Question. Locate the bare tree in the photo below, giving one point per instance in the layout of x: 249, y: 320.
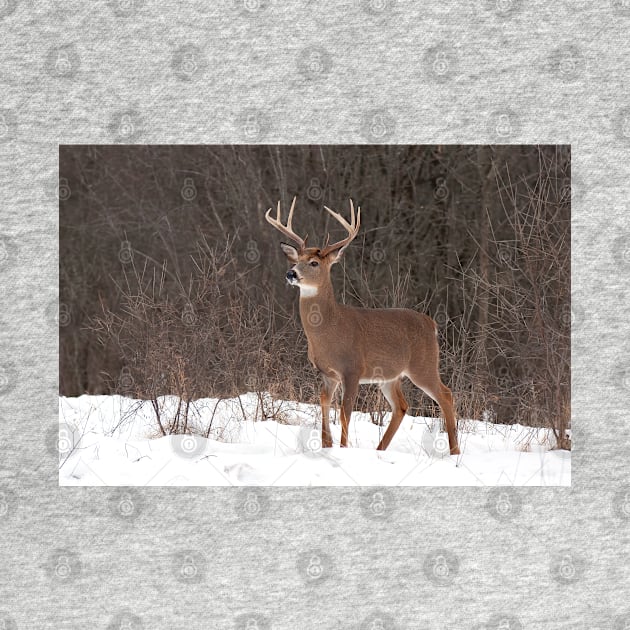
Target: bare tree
x: 168, y: 281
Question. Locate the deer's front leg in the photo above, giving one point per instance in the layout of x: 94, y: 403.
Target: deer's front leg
x: 350, y: 389
x: 328, y: 391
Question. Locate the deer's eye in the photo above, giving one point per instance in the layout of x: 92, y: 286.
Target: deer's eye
x: 314, y: 263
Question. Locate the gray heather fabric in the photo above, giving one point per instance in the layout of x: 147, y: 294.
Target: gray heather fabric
x: 264, y: 71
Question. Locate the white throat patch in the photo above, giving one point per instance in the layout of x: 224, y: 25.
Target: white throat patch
x: 306, y: 291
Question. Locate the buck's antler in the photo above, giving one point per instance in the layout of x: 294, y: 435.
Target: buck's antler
x: 352, y: 228
x: 288, y: 229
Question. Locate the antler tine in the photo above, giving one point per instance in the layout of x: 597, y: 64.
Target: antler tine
x: 288, y: 229
x: 290, y: 219
x: 352, y: 228
x: 290, y: 225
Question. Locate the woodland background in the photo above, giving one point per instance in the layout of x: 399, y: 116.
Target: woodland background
x: 172, y: 282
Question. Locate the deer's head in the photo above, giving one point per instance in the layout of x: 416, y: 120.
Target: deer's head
x: 310, y: 266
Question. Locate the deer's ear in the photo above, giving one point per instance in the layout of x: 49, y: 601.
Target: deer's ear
x: 335, y: 256
x: 290, y: 252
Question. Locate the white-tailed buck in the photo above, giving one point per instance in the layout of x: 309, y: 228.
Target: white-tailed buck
x: 351, y: 345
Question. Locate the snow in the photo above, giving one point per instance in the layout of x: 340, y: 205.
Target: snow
x: 115, y: 441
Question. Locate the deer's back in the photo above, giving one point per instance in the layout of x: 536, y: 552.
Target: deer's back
x: 375, y: 344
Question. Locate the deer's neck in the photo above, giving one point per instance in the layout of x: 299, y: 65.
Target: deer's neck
x: 317, y: 308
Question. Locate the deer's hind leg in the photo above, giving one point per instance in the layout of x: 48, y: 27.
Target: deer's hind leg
x: 433, y: 387
x: 394, y: 395
x: 424, y: 373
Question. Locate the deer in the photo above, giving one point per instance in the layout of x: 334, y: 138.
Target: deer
x: 350, y: 345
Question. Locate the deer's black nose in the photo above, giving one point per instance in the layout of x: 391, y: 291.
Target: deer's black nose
x: 291, y: 275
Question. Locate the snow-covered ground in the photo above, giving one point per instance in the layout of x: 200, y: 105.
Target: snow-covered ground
x: 115, y: 441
